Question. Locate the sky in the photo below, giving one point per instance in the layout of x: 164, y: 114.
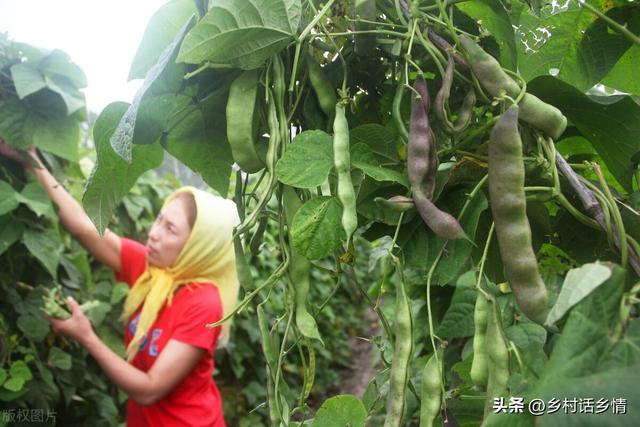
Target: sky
x: 101, y: 36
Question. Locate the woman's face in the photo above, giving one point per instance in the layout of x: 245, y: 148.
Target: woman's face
x: 168, y: 234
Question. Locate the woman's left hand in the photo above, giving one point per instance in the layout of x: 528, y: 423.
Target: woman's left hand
x: 77, y: 326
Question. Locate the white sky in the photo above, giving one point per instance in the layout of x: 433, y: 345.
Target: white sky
x: 101, y: 36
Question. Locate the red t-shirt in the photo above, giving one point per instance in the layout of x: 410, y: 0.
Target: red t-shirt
x: 195, y: 401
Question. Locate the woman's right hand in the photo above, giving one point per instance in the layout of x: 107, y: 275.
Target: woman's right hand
x: 8, y: 151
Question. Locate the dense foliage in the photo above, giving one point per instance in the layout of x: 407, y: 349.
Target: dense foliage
x: 383, y: 134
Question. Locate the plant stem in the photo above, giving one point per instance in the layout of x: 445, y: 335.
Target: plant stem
x: 313, y: 23
x: 615, y: 26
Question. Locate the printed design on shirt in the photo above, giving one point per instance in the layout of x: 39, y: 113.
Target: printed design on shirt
x: 153, y: 348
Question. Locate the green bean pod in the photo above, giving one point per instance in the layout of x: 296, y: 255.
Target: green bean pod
x: 403, y: 348
x: 508, y: 206
x: 299, y: 271
x: 442, y: 223
x: 498, y: 354
x: 442, y: 101
x: 479, y: 365
x: 242, y: 266
x: 241, y: 121
x: 395, y: 109
x: 342, y: 162
x: 494, y: 79
x: 431, y: 396
x: 325, y: 92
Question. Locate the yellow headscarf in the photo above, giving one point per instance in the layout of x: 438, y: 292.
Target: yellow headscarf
x: 207, y: 256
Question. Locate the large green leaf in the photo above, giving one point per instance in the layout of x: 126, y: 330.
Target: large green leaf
x: 569, y: 42
x: 458, y: 320
x: 164, y: 77
x: 23, y: 125
x: 612, y: 128
x: 623, y: 76
x: 46, y: 246
x: 59, y: 359
x: 72, y: 97
x: 10, y: 232
x: 36, y: 198
x: 339, y: 411
x: 112, y: 177
x: 27, y: 80
x: 316, y: 231
x: 58, y: 62
x: 493, y: 18
x: 242, y: 33
x: 379, y: 139
x: 13, y: 124
x: 162, y: 28
x: 8, y: 198
x: 362, y: 158
x: 578, y: 283
x: 199, y: 140
x: 307, y: 161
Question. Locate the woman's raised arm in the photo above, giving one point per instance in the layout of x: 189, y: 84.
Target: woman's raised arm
x: 73, y: 218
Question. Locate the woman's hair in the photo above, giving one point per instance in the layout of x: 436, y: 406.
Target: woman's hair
x: 189, y: 204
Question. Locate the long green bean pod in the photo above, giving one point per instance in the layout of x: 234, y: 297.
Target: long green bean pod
x: 422, y: 165
x: 299, y: 271
x: 342, y: 163
x: 494, y: 79
x: 431, y: 396
x: 241, y: 121
x: 498, y: 357
x: 323, y: 88
x: 403, y: 348
x: 508, y: 205
x: 479, y: 365
x: 442, y: 101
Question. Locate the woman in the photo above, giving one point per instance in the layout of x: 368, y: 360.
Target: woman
x: 183, y: 279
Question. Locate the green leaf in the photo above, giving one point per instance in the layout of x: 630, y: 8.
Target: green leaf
x: 10, y: 232
x: 307, y: 161
x: 19, y: 369
x: 46, y: 246
x: 578, y: 284
x: 199, y: 141
x: 242, y: 33
x: 72, y: 97
x: 57, y: 134
x: 59, y: 359
x: 340, y: 411
x: 27, y: 80
x: 458, y: 252
x: 8, y: 198
x: 162, y: 28
x: 164, y: 77
x: 3, y: 376
x: 612, y: 129
x: 14, y: 384
x: 526, y: 334
x: 379, y: 139
x: 494, y: 20
x: 58, y: 62
x: 623, y: 75
x: 458, y: 320
x: 118, y: 293
x: 362, y: 158
x: 112, y: 177
x: 570, y: 42
x: 13, y: 120
x: 36, y: 198
x: 316, y: 230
